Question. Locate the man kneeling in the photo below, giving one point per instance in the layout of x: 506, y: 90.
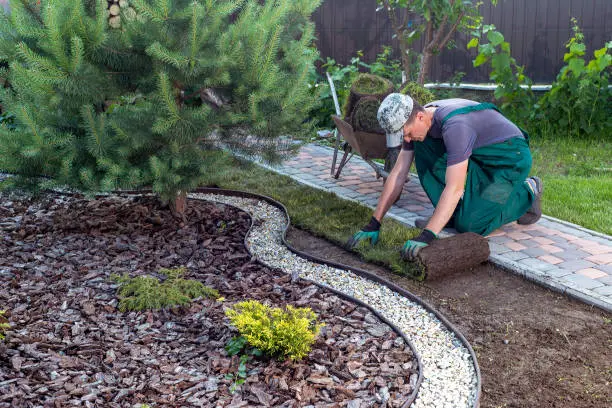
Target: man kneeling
x: 472, y: 162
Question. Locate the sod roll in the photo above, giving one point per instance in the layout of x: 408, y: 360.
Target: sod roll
x: 418, y: 92
x: 364, y: 115
x: 366, y: 85
x: 453, y: 255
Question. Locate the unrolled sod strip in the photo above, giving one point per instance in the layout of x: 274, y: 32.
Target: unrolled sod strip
x: 450, y: 380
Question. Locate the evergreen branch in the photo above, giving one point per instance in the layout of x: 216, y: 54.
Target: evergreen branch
x: 175, y: 59
x: 273, y: 45
x: 164, y: 5
x: 78, y: 53
x: 26, y: 20
x: 253, y: 100
x: 194, y: 34
x: 54, y: 34
x: 38, y: 62
x: 229, y: 7
x: 165, y: 90
x: 258, y: 52
x: 94, y: 130
x: 142, y: 7
x: 119, y: 132
x: 298, y: 86
x: 29, y: 121
x: 32, y: 10
x: 99, y: 30
x: 77, y: 12
x: 8, y: 32
x: 307, y: 35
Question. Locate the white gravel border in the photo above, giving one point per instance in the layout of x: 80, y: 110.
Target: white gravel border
x: 450, y: 379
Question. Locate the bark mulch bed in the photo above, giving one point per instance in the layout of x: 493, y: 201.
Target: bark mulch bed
x: 68, y: 345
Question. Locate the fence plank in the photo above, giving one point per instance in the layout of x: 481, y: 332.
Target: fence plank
x: 537, y: 31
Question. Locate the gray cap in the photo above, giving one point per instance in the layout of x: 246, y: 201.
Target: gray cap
x: 393, y: 113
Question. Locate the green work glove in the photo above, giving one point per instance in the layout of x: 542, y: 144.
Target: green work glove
x: 413, y: 246
x: 370, y: 231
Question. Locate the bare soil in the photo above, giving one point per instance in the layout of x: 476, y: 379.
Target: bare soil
x: 536, y: 348
x: 69, y: 345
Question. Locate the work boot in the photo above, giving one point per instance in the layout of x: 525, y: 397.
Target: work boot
x: 534, y: 213
x: 422, y: 223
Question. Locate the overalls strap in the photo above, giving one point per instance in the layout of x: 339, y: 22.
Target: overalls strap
x: 468, y: 109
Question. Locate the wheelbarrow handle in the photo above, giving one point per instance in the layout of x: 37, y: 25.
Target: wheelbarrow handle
x: 334, y: 95
x: 337, y: 132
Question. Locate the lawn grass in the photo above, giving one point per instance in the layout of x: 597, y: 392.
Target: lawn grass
x: 322, y: 213
x: 577, y: 176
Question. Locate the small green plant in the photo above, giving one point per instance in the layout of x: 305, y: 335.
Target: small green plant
x: 239, y: 377
x: 513, y: 86
x: 234, y: 347
x: 4, y: 324
x: 343, y: 77
x: 285, y: 333
x: 579, y: 102
x: 385, y: 66
x: 148, y: 293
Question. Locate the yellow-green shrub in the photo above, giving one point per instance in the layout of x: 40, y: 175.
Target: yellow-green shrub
x: 4, y: 325
x: 285, y: 333
x: 148, y: 293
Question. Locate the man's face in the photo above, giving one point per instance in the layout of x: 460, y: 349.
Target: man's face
x: 418, y: 128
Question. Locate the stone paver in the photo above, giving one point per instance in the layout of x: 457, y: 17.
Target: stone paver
x: 559, y: 255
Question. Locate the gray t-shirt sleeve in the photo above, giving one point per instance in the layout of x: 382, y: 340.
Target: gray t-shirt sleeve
x: 459, y: 139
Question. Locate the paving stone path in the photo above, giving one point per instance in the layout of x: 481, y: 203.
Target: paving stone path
x: 554, y: 253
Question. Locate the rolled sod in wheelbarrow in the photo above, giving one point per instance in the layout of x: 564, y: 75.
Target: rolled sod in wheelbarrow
x: 453, y: 255
x: 364, y: 116
x: 417, y: 92
x: 366, y: 85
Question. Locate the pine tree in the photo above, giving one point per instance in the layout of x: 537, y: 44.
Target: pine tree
x: 99, y: 108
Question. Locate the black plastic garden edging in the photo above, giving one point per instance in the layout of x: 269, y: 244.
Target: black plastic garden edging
x: 364, y: 274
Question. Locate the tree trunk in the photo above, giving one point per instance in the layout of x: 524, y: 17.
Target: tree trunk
x: 400, y: 30
x: 179, y: 205
x: 455, y: 254
x: 425, y: 66
x: 405, y: 58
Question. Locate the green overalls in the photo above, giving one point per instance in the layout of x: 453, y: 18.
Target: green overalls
x: 495, y: 189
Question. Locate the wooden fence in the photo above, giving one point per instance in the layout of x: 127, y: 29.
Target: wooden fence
x: 536, y: 29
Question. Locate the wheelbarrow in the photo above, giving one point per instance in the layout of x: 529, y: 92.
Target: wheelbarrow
x: 368, y: 145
